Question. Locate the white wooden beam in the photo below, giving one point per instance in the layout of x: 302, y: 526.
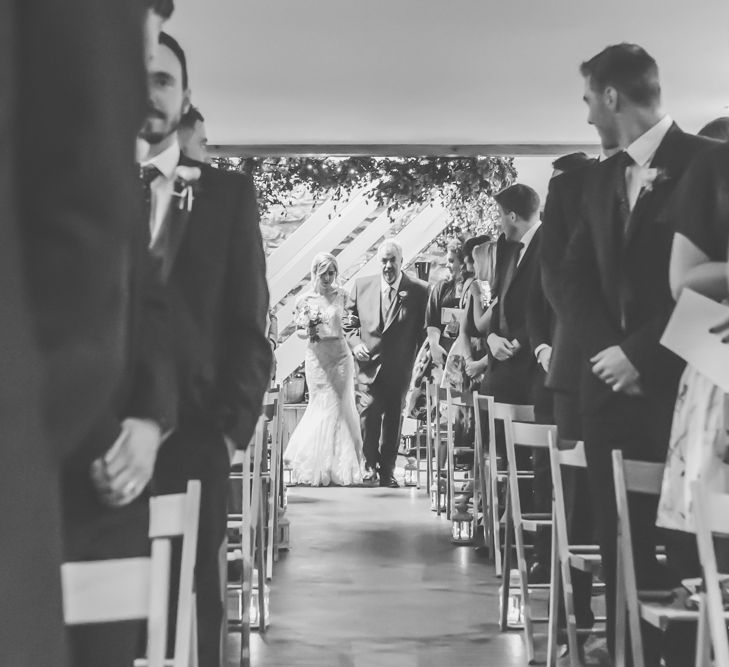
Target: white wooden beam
x: 415, y: 237
x: 338, y: 228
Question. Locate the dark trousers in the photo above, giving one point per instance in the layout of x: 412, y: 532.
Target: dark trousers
x: 94, y: 532
x: 380, y: 407
x: 640, y: 428
x: 200, y: 453
x: 580, y: 529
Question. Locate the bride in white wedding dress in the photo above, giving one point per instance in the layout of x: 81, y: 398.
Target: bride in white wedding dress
x: 326, y: 446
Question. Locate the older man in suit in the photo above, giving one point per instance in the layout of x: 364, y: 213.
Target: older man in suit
x: 384, y: 325
x: 617, y: 295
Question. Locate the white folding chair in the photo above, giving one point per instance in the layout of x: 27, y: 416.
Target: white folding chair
x: 522, y: 434
x: 644, y: 478
x: 518, y: 413
x: 454, y: 401
x: 711, y: 516
x: 128, y: 589
x: 570, y: 556
x: 274, y: 480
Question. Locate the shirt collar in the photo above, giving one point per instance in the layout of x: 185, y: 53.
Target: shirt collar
x: 529, y: 235
x: 167, y: 161
x: 385, y: 286
x: 645, y: 146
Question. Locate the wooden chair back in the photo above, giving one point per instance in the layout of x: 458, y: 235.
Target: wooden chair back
x: 138, y: 588
x: 711, y: 516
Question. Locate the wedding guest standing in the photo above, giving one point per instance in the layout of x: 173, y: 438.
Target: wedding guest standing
x: 63, y: 227
x: 205, y: 232
x: 716, y: 129
x: 563, y: 361
x: 446, y: 298
x: 192, y: 135
x: 384, y: 326
x: 617, y: 294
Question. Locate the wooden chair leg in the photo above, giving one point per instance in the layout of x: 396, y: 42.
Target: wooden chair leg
x: 524, y: 583
x: 703, y: 638
x: 620, y: 612
x: 554, y: 591
x: 496, y: 522
x: 506, y: 574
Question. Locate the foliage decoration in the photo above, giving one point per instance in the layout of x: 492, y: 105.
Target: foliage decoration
x: 465, y: 185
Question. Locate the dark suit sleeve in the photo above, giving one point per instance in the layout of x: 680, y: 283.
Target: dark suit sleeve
x: 245, y: 368
x: 351, y: 324
x: 555, y: 238
x: 585, y: 307
x: 76, y: 177
x: 538, y: 314
x: 153, y: 392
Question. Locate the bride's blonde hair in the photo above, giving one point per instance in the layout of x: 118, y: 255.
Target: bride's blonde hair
x: 320, y: 265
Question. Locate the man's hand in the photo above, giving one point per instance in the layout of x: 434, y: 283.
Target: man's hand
x: 544, y: 357
x: 501, y: 348
x: 124, y: 471
x: 615, y: 369
x: 438, y: 353
x: 721, y: 329
x: 361, y: 353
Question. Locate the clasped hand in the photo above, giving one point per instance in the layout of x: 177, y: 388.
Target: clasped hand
x: 361, y: 353
x: 502, y: 348
x: 614, y: 368
x: 124, y: 471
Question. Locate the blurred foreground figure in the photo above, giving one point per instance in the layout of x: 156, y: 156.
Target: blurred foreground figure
x: 63, y: 232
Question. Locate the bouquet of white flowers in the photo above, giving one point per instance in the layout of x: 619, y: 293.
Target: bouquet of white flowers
x: 308, y: 318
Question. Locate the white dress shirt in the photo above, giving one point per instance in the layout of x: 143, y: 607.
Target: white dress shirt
x: 385, y: 287
x: 526, y: 240
x: 643, y: 150
x: 163, y: 186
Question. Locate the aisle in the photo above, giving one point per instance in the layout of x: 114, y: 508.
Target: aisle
x: 372, y: 579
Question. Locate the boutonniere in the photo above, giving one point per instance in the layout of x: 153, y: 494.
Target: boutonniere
x: 650, y: 177
x: 402, y: 294
x: 187, y: 180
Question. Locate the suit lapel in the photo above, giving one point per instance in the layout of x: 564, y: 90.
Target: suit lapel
x: 645, y: 206
x: 395, y: 311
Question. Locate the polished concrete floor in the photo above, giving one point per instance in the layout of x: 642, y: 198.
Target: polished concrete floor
x: 372, y: 580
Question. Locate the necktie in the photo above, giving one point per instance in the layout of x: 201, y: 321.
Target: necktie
x: 621, y: 190
x: 147, y: 175
x: 513, y: 250
x: 388, y: 299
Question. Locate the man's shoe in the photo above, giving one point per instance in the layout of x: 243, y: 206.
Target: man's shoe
x: 389, y: 482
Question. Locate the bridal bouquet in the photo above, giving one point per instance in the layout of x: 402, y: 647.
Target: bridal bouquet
x: 308, y: 318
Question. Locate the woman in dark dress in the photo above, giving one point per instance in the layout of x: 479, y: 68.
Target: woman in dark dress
x: 442, y: 325
x: 699, y: 443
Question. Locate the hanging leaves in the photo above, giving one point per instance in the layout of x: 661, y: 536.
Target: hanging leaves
x: 465, y: 185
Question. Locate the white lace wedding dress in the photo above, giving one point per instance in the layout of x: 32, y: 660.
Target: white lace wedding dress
x: 326, y: 446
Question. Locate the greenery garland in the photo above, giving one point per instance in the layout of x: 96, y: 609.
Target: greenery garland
x: 465, y: 185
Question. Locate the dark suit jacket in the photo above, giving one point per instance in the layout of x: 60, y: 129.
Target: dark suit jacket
x: 393, y: 347
x: 616, y: 289
x: 218, y: 295
x: 63, y: 229
x: 561, y: 215
x: 511, y: 380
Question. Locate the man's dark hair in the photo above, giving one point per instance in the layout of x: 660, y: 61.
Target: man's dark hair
x: 571, y: 161
x: 192, y: 116
x: 519, y: 199
x: 163, y: 8
x: 173, y: 45
x: 629, y: 69
x: 716, y: 129
x: 470, y: 243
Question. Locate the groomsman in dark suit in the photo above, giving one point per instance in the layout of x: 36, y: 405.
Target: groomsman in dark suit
x: 205, y: 233
x: 512, y: 365
x: 64, y: 229
x: 617, y: 295
x: 385, y: 323
x: 560, y: 358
